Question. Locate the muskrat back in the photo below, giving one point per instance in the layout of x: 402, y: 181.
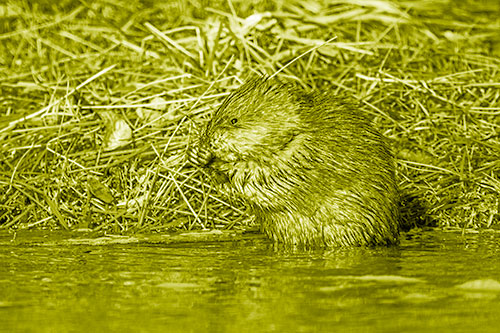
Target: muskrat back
x: 310, y: 166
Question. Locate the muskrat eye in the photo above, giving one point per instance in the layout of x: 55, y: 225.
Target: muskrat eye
x: 234, y: 121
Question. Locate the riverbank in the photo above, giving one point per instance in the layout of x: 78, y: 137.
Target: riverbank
x: 99, y: 102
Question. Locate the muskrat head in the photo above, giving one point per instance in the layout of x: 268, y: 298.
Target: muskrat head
x: 254, y: 123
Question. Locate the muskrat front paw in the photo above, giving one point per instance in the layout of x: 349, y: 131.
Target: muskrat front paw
x: 200, y: 156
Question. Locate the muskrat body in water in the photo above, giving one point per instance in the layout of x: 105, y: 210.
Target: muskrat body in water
x: 310, y: 166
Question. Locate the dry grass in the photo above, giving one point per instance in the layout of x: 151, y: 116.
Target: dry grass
x: 99, y: 100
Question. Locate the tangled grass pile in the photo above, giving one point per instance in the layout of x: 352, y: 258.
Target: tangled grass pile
x: 100, y: 100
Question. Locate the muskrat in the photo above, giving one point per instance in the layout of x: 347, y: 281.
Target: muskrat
x: 310, y: 166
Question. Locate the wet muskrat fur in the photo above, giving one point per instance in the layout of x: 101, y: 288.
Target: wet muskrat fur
x: 310, y: 166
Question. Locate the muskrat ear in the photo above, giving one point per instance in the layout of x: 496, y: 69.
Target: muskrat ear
x: 234, y: 121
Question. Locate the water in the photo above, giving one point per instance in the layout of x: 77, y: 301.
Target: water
x: 432, y: 282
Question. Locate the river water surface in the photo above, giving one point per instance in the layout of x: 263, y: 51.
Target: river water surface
x: 433, y: 282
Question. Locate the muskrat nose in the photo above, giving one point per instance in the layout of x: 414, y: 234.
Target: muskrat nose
x: 200, y: 156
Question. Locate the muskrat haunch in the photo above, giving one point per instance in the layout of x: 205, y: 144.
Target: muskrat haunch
x: 310, y: 166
